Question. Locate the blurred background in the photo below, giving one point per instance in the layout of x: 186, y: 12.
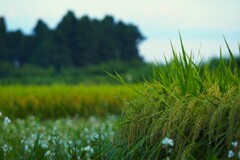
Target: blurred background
x: 78, y: 40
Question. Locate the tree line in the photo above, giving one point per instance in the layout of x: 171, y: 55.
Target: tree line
x: 74, y: 42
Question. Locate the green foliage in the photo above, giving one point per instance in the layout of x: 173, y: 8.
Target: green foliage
x: 75, y: 42
x: 62, y: 139
x: 2, y: 26
x: 196, y: 106
x: 133, y: 72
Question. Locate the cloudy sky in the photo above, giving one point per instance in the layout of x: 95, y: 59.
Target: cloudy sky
x: 202, y: 23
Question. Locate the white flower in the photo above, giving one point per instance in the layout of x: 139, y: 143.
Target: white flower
x: 44, y: 146
x: 54, y: 129
x: 99, y: 136
x: 47, y: 154
x: 75, y: 149
x: 26, y: 148
x: 88, y: 148
x: 235, y: 144
x: 96, y: 136
x: 7, y: 121
x: 22, y: 141
x: 86, y: 130
x: 6, y: 148
x: 230, y: 154
x: 0, y: 114
x: 54, y: 138
x: 92, y: 151
x: 239, y: 154
x: 168, y: 141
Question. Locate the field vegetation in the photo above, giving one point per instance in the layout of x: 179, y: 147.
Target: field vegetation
x: 188, y: 111
x: 60, y: 100
x: 57, y: 101
x: 133, y: 72
x: 62, y: 139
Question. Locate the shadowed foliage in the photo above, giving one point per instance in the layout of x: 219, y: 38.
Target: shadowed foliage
x: 74, y: 42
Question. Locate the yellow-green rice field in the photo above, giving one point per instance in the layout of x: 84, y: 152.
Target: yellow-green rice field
x: 63, y: 100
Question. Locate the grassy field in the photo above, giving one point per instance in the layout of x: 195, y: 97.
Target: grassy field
x: 63, y: 100
x: 187, y: 111
x: 62, y: 139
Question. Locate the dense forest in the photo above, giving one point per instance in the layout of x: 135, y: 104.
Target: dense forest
x: 76, y: 42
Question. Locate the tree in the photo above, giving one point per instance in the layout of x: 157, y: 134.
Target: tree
x: 78, y: 42
x: 87, y: 43
x: 2, y: 38
x: 108, y: 39
x: 3, y: 29
x: 14, y: 42
x: 47, y: 54
x: 129, y: 37
x: 41, y: 28
x: 66, y: 35
x: 66, y: 29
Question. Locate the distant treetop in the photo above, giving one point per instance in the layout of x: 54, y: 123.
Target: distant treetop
x: 74, y: 42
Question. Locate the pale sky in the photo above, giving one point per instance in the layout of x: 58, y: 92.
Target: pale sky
x: 202, y: 23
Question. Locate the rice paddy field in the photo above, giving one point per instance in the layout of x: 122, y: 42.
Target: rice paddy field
x: 187, y: 112
x: 57, y: 101
x: 59, y: 121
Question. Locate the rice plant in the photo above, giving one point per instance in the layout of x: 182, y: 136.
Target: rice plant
x: 57, y: 101
x: 194, y: 107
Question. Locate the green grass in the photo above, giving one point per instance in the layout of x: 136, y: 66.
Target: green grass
x: 187, y: 111
x: 26, y: 74
x: 60, y: 139
x: 197, y: 107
